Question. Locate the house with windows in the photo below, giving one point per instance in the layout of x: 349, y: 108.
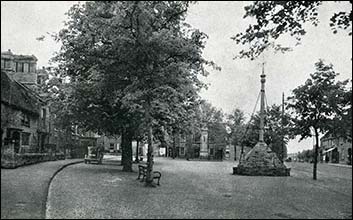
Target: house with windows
x: 24, y: 118
x: 22, y: 68
x: 336, y: 149
x: 196, y: 146
x: 110, y: 143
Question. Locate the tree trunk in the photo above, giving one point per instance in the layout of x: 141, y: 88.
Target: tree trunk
x: 235, y: 152
x: 149, y: 174
x: 174, y: 143
x: 137, y: 151
x: 126, y: 159
x: 241, y: 154
x: 122, y: 147
x: 316, y: 152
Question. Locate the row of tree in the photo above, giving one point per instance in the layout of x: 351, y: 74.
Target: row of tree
x: 131, y: 68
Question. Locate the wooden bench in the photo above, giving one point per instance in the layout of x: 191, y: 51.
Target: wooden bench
x: 143, y: 173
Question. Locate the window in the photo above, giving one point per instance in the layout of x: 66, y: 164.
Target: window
x: 26, y: 67
x: 182, y: 151
x: 111, y: 145
x: 25, y: 138
x: 7, y: 64
x: 19, y: 67
x: 25, y: 121
x: 32, y: 68
x: 211, y: 151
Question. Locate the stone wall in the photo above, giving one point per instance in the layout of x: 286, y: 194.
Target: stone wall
x: 9, y: 159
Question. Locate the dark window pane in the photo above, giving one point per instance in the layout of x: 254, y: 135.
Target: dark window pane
x: 25, y: 138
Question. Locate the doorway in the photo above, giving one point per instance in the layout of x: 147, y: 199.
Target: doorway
x: 16, y: 137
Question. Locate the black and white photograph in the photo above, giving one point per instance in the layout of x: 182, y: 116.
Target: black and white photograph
x: 176, y: 109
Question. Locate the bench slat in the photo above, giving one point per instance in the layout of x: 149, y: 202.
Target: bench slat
x: 143, y: 173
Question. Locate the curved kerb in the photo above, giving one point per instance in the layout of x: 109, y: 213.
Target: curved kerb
x: 44, y: 212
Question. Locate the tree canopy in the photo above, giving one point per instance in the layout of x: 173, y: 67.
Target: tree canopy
x: 320, y: 102
x: 132, y: 63
x: 320, y: 105
x: 277, y: 18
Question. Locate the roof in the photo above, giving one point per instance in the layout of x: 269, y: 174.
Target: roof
x: 329, y: 135
x: 331, y: 149
x: 9, y: 55
x: 18, y: 96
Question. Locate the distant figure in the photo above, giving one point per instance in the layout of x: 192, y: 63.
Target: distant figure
x: 101, y: 149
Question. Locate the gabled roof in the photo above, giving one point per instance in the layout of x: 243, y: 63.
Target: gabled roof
x: 18, y: 96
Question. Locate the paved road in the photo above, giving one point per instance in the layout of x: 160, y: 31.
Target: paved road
x: 200, y: 189
x: 24, y: 189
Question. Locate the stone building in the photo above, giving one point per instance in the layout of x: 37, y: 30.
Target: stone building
x: 336, y: 150
x: 25, y: 116
x: 22, y: 68
x: 111, y: 143
x: 196, y: 146
x: 20, y: 78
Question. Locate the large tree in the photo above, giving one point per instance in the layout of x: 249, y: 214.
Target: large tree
x: 139, y: 59
x: 319, y: 104
x: 274, y: 19
x: 56, y: 92
x: 236, y: 123
x: 341, y: 125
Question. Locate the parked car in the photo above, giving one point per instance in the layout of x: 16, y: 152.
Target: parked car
x: 95, y: 154
x: 289, y: 159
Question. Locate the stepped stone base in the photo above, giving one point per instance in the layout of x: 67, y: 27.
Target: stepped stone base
x: 261, y: 161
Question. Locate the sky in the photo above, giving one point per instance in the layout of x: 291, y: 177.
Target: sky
x: 238, y: 83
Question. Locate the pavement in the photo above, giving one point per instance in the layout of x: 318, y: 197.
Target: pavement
x: 24, y: 190
x: 199, y: 189
x: 340, y: 165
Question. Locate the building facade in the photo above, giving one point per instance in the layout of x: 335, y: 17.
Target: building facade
x: 110, y: 143
x: 196, y: 146
x: 25, y: 116
x: 22, y: 68
x: 336, y: 150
